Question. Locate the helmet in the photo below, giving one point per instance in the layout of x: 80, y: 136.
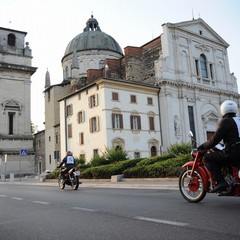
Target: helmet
x: 69, y: 153
x: 228, y: 106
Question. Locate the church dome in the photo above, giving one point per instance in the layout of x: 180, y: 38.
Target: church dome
x: 92, y: 38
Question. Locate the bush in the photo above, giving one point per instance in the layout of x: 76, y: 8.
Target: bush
x: 149, y: 161
x: 54, y: 174
x: 98, y: 161
x: 113, y: 155
x: 106, y: 171
x: 166, y: 168
x: 180, y: 148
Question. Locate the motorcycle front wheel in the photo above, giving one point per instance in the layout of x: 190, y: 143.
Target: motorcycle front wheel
x: 192, y: 187
x: 61, y: 183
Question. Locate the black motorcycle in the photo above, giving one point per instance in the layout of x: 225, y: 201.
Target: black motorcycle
x: 71, y: 178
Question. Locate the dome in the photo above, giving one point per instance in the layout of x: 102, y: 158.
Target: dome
x: 92, y: 38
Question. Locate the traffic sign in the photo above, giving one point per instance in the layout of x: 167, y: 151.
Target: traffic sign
x: 23, y: 152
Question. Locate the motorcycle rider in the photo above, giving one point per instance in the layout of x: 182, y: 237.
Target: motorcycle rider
x: 68, y: 162
x: 228, y: 131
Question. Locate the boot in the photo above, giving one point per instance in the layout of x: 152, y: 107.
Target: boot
x: 221, y: 185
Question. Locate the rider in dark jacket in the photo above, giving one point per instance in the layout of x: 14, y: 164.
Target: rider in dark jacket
x: 228, y: 131
x: 68, y: 162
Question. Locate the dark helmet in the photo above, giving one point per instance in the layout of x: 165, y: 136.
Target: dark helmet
x: 69, y: 153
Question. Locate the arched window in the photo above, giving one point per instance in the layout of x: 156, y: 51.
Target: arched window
x: 66, y: 72
x: 11, y: 40
x: 153, y: 151
x: 101, y: 64
x: 203, y: 64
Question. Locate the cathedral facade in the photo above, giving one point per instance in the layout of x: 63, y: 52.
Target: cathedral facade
x: 143, y: 100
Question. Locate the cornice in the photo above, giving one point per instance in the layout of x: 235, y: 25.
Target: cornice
x: 196, y: 87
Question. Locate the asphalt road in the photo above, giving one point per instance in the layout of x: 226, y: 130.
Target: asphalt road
x: 32, y: 212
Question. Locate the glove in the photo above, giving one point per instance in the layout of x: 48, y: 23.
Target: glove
x: 201, y: 147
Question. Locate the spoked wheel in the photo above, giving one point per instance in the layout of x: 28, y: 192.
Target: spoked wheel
x: 192, y: 187
x: 75, y: 183
x: 61, y: 183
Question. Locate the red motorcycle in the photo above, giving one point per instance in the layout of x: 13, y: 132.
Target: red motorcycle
x: 196, y: 181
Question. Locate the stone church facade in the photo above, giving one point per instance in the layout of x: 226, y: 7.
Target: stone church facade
x: 16, y: 140
x: 144, y: 100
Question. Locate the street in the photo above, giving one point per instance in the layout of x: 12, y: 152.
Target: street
x: 46, y: 212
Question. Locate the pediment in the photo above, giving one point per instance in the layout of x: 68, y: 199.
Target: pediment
x: 199, y: 27
x: 210, y: 115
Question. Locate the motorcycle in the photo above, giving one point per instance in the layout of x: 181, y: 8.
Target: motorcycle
x: 195, y: 180
x: 71, y: 178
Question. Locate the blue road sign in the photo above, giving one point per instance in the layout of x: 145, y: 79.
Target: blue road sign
x: 23, y: 152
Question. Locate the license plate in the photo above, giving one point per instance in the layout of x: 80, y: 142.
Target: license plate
x: 77, y: 173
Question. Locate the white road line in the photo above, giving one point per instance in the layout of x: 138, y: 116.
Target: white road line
x: 44, y: 203
x: 162, y: 221
x: 3, y: 195
x: 85, y: 209
x: 17, y: 198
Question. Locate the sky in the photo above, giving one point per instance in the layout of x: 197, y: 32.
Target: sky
x: 52, y: 24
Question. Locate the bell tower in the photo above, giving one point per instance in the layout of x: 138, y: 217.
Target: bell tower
x: 15, y: 94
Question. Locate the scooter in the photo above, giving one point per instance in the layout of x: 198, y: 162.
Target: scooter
x: 195, y: 180
x: 71, y: 179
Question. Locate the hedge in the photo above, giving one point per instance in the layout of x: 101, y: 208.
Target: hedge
x: 166, y: 168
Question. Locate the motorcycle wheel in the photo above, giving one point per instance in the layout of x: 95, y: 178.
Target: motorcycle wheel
x: 192, y: 189
x: 61, y: 183
x: 75, y: 183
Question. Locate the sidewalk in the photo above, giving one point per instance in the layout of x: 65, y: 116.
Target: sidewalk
x: 144, y: 183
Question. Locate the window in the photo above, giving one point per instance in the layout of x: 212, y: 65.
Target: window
x: 56, y: 138
x: 69, y: 110
x: 81, y: 138
x: 10, y: 123
x: 79, y: 96
x: 136, y: 155
x: 211, y: 70
x: 11, y: 40
x: 66, y: 72
x: 135, y: 122
x: 82, y: 157
x: 149, y: 101
x: 49, y: 159
x: 101, y: 64
x: 191, y: 121
x: 69, y: 130
x: 81, y: 117
x: 93, y: 101
x: 48, y: 95
x: 39, y: 144
x: 203, y: 64
x: 94, y: 124
x: 95, y: 152
x: 197, y: 66
x: 153, y: 151
x: 115, y: 96
x: 151, y: 123
x: 49, y: 139
x: 133, y: 99
x: 117, y: 121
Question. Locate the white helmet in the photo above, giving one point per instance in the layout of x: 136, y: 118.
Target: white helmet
x: 228, y: 106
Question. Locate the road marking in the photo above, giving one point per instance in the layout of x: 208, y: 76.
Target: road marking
x: 162, y: 221
x: 44, y: 203
x: 85, y: 209
x: 17, y: 198
x: 3, y: 195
